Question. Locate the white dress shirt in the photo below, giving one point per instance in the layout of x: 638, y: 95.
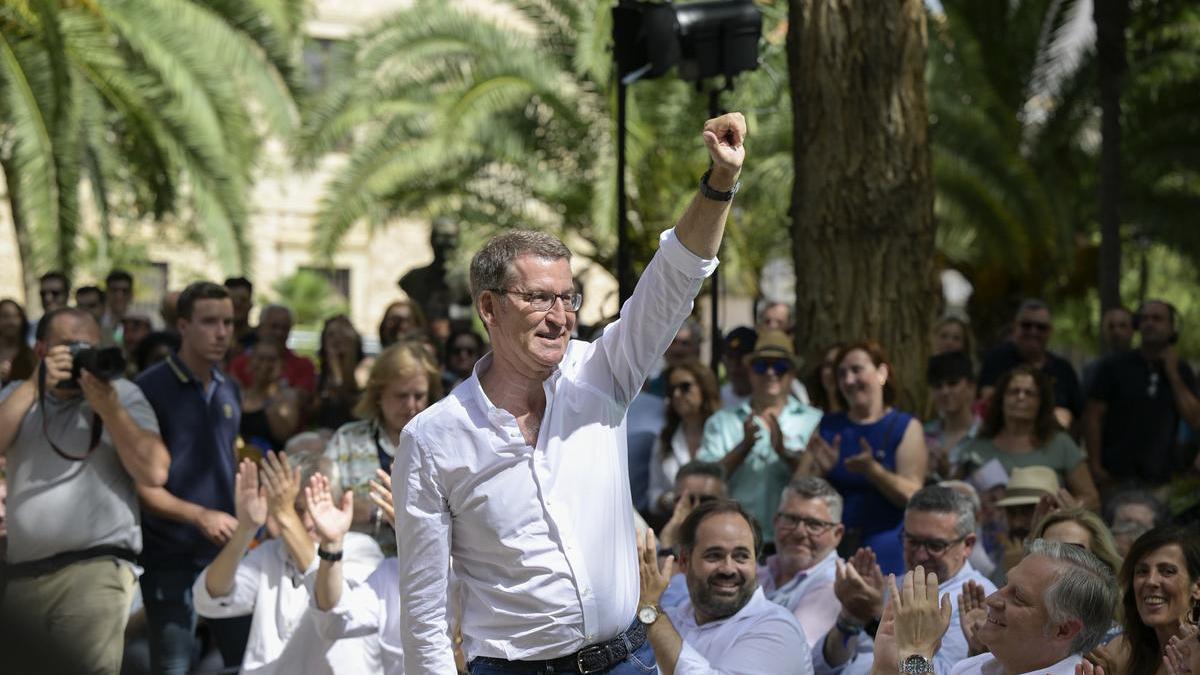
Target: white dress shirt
x: 665, y: 463
x: 986, y: 664
x: 954, y: 643
x: 372, y: 610
x: 542, y: 537
x: 808, y: 595
x: 283, y: 633
x: 761, y: 638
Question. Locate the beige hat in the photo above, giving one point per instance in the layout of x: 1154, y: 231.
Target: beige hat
x: 773, y: 344
x: 1028, y: 484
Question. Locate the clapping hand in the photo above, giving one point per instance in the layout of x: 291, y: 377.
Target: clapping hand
x: 1050, y: 503
x: 332, y: 521
x: 1182, y: 655
x: 858, y: 585
x: 824, y: 456
x: 921, y: 620
x: 861, y: 462
x: 972, y: 614
x: 282, y: 482
x: 655, y: 575
x: 381, y: 495
x: 1086, y: 667
x: 250, y: 502
x: 750, y: 432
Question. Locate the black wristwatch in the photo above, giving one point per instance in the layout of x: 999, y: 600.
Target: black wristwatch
x: 716, y: 195
x: 331, y: 556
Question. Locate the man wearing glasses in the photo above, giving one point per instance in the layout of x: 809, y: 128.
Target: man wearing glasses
x: 760, y: 442
x: 938, y: 534
x: 1028, y: 344
x: 521, y: 473
x: 800, y: 575
x: 54, y: 288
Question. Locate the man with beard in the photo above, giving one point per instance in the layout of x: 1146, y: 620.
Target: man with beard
x: 727, y: 625
x: 938, y: 535
x: 801, y: 574
x: 1058, y: 604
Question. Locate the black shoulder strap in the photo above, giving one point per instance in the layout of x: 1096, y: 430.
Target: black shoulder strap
x: 97, y: 424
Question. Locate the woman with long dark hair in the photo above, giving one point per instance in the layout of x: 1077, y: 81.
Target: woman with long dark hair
x: 1160, y: 595
x: 692, y: 397
x: 17, y: 360
x: 1020, y: 430
x: 337, y: 388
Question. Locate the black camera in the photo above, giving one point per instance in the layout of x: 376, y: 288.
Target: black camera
x: 106, y: 364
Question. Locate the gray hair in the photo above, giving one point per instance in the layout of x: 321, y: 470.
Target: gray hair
x: 305, y: 443
x: 491, y: 267
x: 965, y: 489
x: 1084, y: 589
x: 938, y: 499
x: 311, y: 464
x: 811, y: 487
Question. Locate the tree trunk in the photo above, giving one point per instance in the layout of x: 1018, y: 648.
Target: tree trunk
x: 862, y: 203
x: 12, y: 184
x: 1111, y: 17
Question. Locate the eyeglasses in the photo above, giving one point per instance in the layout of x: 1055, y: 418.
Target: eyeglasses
x: 1035, y: 326
x: 775, y: 366
x: 788, y: 521
x: 684, y: 388
x: 935, y: 547
x: 542, y: 301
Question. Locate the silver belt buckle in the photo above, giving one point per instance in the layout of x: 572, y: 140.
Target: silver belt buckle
x: 597, y: 649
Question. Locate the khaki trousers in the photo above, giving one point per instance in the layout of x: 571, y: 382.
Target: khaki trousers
x: 76, y: 616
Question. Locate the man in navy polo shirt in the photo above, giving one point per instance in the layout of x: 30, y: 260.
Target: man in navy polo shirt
x: 186, y: 522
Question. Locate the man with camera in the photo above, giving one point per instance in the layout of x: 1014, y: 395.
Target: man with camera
x: 79, y: 440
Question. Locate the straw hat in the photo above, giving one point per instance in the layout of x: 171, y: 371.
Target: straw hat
x: 1028, y: 484
x: 773, y: 344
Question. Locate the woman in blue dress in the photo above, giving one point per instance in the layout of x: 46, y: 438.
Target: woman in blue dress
x: 872, y: 454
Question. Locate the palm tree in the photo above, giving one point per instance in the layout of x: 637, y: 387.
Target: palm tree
x: 147, y: 105
x: 1010, y: 106
x: 506, y: 120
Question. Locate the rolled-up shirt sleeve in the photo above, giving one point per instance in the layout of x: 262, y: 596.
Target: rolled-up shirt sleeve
x: 774, y: 647
x: 423, y: 559
x: 240, y: 600
x: 649, y: 319
x: 356, y: 613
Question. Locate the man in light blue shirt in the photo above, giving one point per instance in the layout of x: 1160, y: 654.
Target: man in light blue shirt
x: 938, y: 534
x: 759, y: 443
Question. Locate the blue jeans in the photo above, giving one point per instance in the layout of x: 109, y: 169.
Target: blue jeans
x: 640, y: 662
x: 170, y: 617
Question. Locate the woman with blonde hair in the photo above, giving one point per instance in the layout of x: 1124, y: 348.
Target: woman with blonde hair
x: 403, y: 381
x: 1083, y: 528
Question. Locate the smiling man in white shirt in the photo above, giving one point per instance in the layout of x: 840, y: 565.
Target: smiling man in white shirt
x: 800, y: 576
x: 726, y: 626
x: 1058, y: 604
x: 521, y: 472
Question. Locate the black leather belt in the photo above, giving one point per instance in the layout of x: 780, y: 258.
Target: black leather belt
x: 44, y: 566
x: 591, y: 659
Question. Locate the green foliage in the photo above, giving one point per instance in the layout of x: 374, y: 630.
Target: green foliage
x: 150, y: 103
x: 310, y: 297
x: 510, y: 123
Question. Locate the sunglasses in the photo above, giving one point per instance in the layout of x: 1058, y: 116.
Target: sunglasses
x: 776, y: 366
x: 1035, y: 326
x: 684, y: 388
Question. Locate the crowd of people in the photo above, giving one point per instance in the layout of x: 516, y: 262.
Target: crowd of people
x: 548, y: 499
